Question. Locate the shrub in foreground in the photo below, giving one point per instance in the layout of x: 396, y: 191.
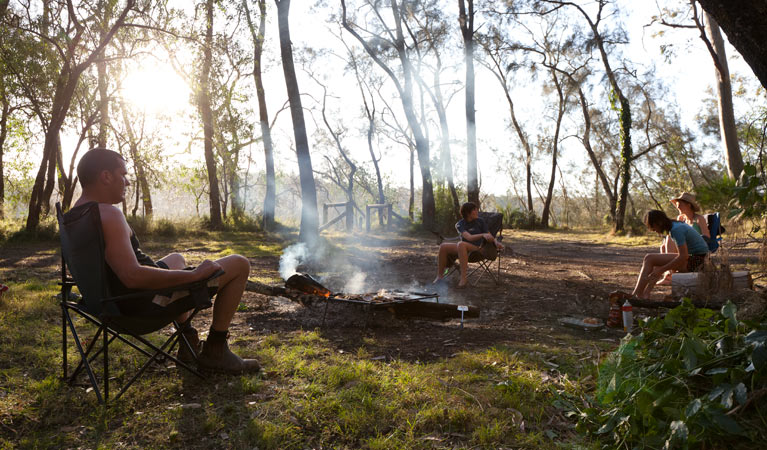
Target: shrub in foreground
x: 694, y: 378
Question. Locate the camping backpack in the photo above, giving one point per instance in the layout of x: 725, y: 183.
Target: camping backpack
x: 715, y: 230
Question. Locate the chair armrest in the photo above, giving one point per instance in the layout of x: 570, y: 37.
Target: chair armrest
x: 196, y: 285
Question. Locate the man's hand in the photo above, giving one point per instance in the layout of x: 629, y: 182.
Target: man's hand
x: 206, y: 269
x: 489, y: 237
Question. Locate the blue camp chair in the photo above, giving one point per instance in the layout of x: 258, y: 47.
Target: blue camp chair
x: 83, y: 265
x: 715, y: 230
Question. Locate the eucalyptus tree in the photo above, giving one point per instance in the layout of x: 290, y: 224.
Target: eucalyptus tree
x: 503, y: 64
x: 386, y: 43
x: 369, y: 110
x: 601, y: 40
x: 745, y: 23
x: 706, y: 25
x: 727, y: 125
x: 309, y: 228
x: 466, y: 22
x: 258, y: 36
x: 204, y: 106
x: 433, y: 33
x: 77, y: 42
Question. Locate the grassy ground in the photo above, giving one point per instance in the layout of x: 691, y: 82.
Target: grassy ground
x: 311, y: 395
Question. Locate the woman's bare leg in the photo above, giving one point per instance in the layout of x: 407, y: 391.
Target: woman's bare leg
x: 644, y: 284
x: 463, y: 257
x: 446, y: 249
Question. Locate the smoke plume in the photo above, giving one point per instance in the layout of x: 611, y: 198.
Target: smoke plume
x: 291, y: 258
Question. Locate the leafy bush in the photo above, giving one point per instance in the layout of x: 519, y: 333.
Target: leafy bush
x: 444, y: 218
x: 47, y: 230
x: 515, y: 218
x: 717, y: 195
x: 141, y: 225
x: 518, y: 219
x: 165, y: 228
x: 688, y: 379
x: 244, y: 222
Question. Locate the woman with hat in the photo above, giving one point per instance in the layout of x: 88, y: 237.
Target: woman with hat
x: 691, y: 252
x: 688, y: 213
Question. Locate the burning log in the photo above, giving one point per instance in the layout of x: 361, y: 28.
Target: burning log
x: 305, y: 283
x: 304, y: 289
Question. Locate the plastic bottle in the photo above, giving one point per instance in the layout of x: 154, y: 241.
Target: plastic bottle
x: 628, y: 316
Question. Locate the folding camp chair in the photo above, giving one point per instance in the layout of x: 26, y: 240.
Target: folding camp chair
x: 82, y: 256
x: 494, y: 222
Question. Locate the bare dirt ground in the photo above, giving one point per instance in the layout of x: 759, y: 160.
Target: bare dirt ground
x: 543, y: 277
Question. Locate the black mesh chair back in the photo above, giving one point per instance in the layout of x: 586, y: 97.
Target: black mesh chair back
x: 83, y: 265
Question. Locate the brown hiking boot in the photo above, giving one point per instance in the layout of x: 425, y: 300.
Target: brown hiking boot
x: 183, y: 353
x: 218, y: 358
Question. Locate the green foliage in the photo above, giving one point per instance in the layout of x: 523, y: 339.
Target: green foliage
x: 444, y: 217
x: 515, y: 218
x: 717, y: 195
x: 750, y: 195
x: 686, y: 380
x: 141, y: 225
x: 48, y: 230
x: 242, y: 222
x: 165, y: 228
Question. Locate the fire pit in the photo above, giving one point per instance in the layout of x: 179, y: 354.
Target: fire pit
x: 305, y: 288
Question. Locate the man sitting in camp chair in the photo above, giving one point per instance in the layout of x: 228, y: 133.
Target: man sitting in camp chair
x: 103, y: 179
x: 475, y: 235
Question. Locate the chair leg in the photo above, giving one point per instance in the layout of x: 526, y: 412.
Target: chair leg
x: 83, y: 357
x: 64, y: 367
x: 91, y: 358
x: 106, y: 366
x: 162, y: 350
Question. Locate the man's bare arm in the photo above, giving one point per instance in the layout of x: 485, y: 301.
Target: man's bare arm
x: 122, y: 259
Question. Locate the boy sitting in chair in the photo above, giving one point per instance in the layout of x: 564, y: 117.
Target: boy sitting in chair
x: 103, y: 179
x: 475, y: 235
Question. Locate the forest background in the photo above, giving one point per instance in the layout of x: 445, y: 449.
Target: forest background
x: 565, y: 114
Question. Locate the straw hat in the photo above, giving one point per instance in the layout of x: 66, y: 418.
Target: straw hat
x: 689, y: 198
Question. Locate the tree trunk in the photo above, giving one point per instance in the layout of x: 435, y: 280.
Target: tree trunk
x: 727, y: 126
x: 626, y: 157
x: 66, y: 83
x: 466, y: 22
x: 62, y: 98
x: 405, y: 90
x: 624, y: 113
x: 270, y: 198
x: 411, y: 203
x: 447, y: 156
x: 745, y: 23
x: 600, y: 174
x: 142, y: 184
x: 103, y: 104
x: 370, y: 112
x: 309, y: 230
x: 554, y: 150
x: 3, y: 135
x: 428, y: 208
x: 203, y: 102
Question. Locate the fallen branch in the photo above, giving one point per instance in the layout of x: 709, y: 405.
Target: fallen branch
x: 265, y: 289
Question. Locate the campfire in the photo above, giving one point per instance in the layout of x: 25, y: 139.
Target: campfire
x: 305, y: 289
